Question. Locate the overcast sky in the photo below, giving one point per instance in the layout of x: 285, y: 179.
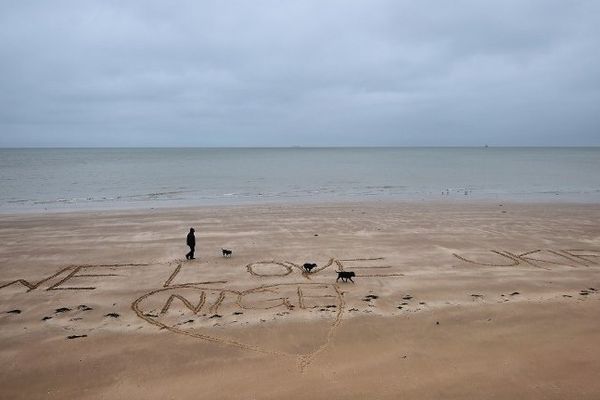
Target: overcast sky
x: 281, y: 73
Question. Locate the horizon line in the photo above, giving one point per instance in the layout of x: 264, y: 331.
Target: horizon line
x: 292, y: 147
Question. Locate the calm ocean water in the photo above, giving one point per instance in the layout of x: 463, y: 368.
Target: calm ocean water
x: 38, y: 179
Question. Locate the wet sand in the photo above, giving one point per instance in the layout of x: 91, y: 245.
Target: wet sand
x: 453, y: 301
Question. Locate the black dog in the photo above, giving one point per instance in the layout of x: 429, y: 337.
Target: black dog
x: 227, y: 253
x: 309, y: 266
x: 345, y: 275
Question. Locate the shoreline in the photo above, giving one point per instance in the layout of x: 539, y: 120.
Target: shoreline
x: 301, y: 203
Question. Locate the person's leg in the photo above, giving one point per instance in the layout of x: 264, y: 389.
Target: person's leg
x: 192, y: 253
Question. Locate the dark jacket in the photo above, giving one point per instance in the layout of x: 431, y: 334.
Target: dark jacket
x: 191, y: 239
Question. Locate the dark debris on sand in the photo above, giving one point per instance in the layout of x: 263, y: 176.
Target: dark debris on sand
x: 370, y: 297
x: 16, y: 311
x: 585, y: 292
x: 76, y: 336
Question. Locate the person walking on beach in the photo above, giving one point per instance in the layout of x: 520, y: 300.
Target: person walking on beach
x: 191, y: 241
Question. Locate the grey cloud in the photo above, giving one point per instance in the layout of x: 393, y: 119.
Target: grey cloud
x: 274, y: 73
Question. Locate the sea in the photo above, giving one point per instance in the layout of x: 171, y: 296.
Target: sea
x: 54, y: 179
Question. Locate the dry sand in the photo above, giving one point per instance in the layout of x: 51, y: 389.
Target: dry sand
x: 447, y: 303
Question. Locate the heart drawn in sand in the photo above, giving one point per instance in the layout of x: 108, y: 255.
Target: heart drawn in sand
x: 250, y: 319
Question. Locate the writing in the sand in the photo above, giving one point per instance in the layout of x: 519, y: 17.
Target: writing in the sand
x: 86, y: 277
x: 536, y: 258
x: 197, y: 311
x: 366, y: 268
x: 207, y: 305
x: 70, y: 278
x: 284, y: 297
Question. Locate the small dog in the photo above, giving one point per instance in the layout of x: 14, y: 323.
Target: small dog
x: 345, y: 275
x: 309, y: 266
x: 227, y: 253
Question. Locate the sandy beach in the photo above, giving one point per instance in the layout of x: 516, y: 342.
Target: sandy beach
x: 472, y: 300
